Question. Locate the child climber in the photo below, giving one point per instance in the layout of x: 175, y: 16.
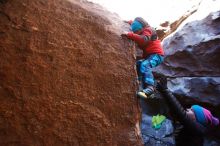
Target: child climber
x: 146, y: 38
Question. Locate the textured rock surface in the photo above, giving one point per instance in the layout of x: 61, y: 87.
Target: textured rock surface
x: 65, y: 77
x: 196, y: 46
x: 192, y: 59
x: 200, y: 89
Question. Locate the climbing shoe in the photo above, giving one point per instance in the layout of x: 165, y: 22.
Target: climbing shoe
x: 146, y: 93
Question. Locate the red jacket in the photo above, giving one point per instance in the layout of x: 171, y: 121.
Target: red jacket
x: 148, y: 46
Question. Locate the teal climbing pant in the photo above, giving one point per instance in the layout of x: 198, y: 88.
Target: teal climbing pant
x: 144, y: 68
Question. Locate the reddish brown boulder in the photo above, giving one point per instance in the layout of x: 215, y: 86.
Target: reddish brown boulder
x: 65, y: 77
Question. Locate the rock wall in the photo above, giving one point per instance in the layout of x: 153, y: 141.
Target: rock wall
x: 192, y: 60
x: 66, y: 78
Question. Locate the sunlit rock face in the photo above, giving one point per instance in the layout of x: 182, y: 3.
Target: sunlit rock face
x: 192, y: 60
x: 66, y: 77
x: 168, y: 27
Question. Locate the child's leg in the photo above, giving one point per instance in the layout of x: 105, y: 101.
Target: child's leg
x: 146, y: 69
x: 147, y: 65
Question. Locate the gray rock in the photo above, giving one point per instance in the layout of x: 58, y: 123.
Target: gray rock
x: 192, y: 60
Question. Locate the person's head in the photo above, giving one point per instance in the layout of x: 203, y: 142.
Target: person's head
x: 202, y: 116
x: 138, y: 24
x: 136, y: 27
